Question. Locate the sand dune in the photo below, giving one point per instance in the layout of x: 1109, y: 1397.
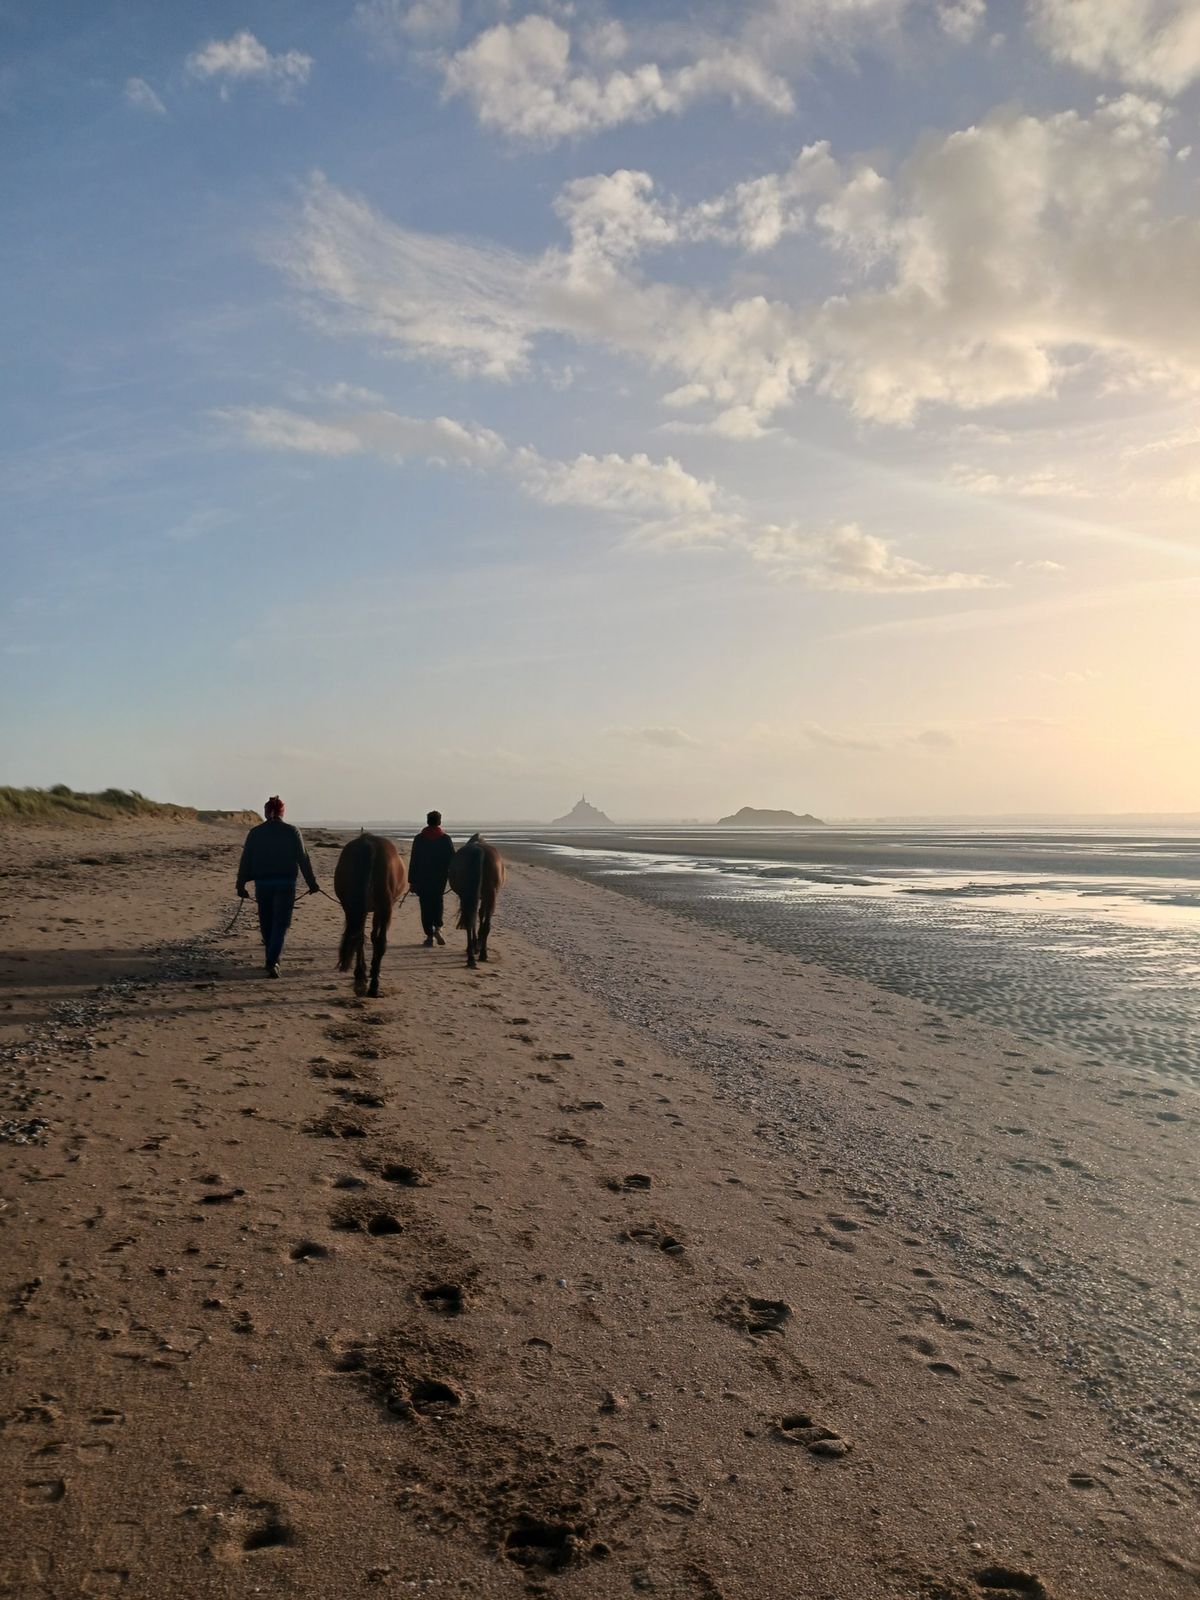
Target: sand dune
x: 643, y: 1260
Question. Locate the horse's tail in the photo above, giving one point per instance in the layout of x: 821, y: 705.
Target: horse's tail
x: 356, y: 904
x: 471, y: 886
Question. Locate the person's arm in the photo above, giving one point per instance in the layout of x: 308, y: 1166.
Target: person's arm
x: 305, y: 864
x: 244, y: 869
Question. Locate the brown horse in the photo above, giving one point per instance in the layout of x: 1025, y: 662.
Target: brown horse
x: 476, y: 874
x: 370, y: 878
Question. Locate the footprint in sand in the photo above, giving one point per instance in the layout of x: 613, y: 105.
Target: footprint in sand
x: 366, y: 1216
x: 447, y: 1299
x: 1003, y: 1581
x: 541, y: 1545
x: 756, y: 1317
x: 799, y: 1428
x: 269, y: 1530
x: 107, y: 1580
x: 337, y: 1124
x: 425, y: 1397
x: 407, y: 1177
x: 308, y: 1250
x: 655, y: 1237
x: 41, y: 1492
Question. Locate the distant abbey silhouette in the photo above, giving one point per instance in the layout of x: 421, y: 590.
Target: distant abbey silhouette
x: 582, y: 815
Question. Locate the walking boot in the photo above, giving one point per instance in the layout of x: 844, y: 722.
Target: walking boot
x: 437, y: 934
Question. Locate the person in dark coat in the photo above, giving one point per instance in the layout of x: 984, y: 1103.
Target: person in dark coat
x: 428, y: 864
x: 272, y: 857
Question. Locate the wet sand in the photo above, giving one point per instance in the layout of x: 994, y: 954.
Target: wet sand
x: 644, y: 1260
x: 1083, y: 942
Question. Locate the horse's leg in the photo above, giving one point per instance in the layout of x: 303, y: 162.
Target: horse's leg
x: 485, y: 927
x: 360, y: 962
x: 472, y: 939
x: 379, y: 933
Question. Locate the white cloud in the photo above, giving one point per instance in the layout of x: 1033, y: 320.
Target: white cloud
x: 1181, y: 439
x: 1044, y: 484
x: 1153, y: 43
x: 565, y: 71
x: 389, y: 22
x: 1011, y: 246
x: 659, y: 501
x: 346, y: 394
x: 992, y: 262
x: 962, y: 19
x: 832, y: 739
x: 139, y: 94
x: 847, y: 558
x: 663, y: 738
x: 466, y: 306
x: 614, y: 217
x: 242, y: 58
x: 791, y: 31
x: 479, y: 309
x: 381, y: 433
x: 520, y: 79
x: 666, y: 504
x: 633, y: 486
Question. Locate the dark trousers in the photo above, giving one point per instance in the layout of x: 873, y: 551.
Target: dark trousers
x: 275, y: 897
x: 432, y: 906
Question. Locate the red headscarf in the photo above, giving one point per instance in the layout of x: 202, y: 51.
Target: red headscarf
x: 273, y: 807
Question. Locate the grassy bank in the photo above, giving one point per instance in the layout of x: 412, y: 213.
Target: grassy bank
x: 63, y: 805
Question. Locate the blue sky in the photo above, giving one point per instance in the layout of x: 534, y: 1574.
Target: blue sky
x: 415, y: 403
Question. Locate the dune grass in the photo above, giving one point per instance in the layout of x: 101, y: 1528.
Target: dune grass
x: 61, y: 804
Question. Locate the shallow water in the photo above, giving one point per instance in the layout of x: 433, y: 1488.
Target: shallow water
x: 1087, y: 939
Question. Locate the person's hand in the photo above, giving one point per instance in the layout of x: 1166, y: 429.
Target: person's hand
x: 243, y: 894
x: 314, y: 888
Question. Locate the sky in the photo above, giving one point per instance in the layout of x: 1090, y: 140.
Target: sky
x: 471, y: 404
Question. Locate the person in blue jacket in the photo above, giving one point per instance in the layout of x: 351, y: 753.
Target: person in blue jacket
x: 273, y: 856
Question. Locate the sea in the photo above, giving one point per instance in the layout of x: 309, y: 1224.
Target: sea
x: 1089, y: 939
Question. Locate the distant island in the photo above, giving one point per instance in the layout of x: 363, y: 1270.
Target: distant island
x: 582, y: 815
x: 753, y: 817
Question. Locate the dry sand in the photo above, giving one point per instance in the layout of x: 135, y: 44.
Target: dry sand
x: 643, y: 1260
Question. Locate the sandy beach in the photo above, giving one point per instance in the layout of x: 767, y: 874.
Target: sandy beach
x: 646, y: 1259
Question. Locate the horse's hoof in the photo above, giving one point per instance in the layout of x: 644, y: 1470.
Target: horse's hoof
x: 373, y: 992
x: 471, y: 961
x: 360, y: 989
x: 483, y: 955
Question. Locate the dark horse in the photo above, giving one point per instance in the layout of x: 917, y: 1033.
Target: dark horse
x: 476, y: 873
x: 370, y: 878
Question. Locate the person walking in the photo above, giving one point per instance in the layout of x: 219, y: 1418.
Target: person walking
x: 428, y: 864
x: 272, y: 857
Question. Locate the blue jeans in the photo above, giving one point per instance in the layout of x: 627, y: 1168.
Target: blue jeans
x: 275, y: 897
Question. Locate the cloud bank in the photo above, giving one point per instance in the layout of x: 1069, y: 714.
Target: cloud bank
x: 652, y: 502
x: 992, y: 262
